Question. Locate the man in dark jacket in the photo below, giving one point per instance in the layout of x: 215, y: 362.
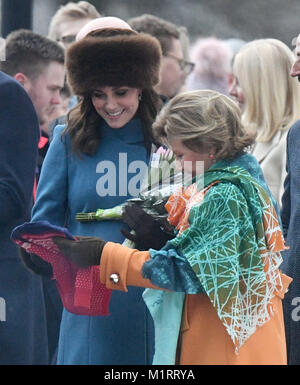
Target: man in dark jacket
x: 37, y: 63
x: 290, y: 215
x: 23, y: 334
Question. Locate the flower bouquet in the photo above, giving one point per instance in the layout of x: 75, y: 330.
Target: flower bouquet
x: 160, y: 182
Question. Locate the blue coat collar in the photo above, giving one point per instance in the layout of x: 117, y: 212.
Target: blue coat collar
x: 131, y: 133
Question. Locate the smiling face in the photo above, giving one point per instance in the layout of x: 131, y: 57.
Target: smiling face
x: 190, y: 161
x: 116, y: 105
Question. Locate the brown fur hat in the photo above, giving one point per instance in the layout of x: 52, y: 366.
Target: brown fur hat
x: 113, y: 57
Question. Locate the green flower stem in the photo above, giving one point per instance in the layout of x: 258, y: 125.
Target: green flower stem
x: 114, y: 213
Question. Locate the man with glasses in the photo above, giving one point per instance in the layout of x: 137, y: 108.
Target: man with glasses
x: 63, y: 28
x: 174, y: 67
x: 69, y: 19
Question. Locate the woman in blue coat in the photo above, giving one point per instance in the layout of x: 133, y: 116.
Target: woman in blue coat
x: 89, y: 165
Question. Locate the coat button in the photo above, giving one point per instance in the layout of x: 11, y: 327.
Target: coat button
x: 114, y: 278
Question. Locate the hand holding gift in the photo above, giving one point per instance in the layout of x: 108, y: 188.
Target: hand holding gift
x: 84, y: 251
x: 72, y: 262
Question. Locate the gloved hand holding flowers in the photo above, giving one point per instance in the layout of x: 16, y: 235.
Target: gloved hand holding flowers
x: 146, y: 215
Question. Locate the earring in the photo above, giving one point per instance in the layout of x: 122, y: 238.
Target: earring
x: 140, y: 97
x: 211, y: 157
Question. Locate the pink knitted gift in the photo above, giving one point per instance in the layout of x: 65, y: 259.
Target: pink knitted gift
x: 80, y: 289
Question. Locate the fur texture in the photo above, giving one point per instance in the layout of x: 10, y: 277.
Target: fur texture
x: 122, y: 60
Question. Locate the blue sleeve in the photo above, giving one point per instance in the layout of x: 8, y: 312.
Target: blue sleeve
x: 19, y: 136
x: 169, y: 269
x: 52, y: 192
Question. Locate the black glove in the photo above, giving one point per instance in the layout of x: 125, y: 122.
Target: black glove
x: 35, y: 264
x: 84, y: 252
x: 148, y: 231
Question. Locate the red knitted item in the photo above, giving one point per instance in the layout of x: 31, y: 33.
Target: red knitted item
x: 80, y: 289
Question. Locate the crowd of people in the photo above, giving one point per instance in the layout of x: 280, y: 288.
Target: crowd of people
x: 219, y: 284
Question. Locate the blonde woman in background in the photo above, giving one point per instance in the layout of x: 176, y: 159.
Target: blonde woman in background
x: 270, y: 102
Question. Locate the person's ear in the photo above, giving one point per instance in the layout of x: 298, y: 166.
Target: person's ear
x: 21, y: 78
x: 212, y: 153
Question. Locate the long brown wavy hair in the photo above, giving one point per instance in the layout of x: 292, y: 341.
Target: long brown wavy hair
x: 83, y: 122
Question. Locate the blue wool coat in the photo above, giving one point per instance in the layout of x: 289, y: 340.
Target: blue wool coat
x: 68, y: 185
x: 23, y: 334
x: 290, y: 215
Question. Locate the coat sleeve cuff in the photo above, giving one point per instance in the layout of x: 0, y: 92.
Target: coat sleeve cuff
x: 125, y: 265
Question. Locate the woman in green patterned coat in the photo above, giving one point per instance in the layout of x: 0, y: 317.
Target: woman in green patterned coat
x: 222, y: 286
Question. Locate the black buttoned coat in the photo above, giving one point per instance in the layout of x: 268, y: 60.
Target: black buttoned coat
x: 290, y: 215
x: 23, y: 338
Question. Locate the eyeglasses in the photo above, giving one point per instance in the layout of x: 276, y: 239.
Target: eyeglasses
x: 186, y: 66
x: 67, y: 40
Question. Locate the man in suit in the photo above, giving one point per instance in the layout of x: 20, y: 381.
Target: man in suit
x: 290, y: 215
x: 23, y: 334
x: 37, y: 63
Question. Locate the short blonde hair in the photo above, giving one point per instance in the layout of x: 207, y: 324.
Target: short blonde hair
x: 71, y: 11
x: 204, y: 119
x: 272, y: 96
